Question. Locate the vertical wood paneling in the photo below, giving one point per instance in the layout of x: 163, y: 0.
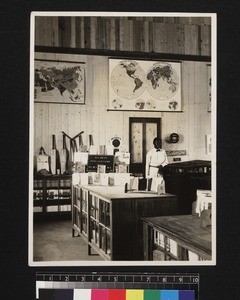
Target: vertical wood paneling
x: 179, y: 39
x: 73, y: 32
x: 65, y: 120
x: 103, y: 36
x: 163, y: 41
x: 122, y: 37
x: 168, y: 20
x: 157, y: 37
x: 137, y: 36
x: 177, y: 35
x: 191, y: 111
x: 146, y: 47
x: 45, y: 128
x: 191, y: 40
x: 169, y: 37
x: 126, y: 34
x: 98, y: 31
x: 79, y: 32
x: 52, y: 123
x: 87, y: 32
x: 58, y: 111
x: 202, y: 120
x: 39, y: 37
x: 65, y: 31
x: 205, y: 40
x: 38, y: 135
x: 184, y: 117
x: 117, y: 34
x: 47, y: 31
x: 94, y: 42
x: 196, y: 20
x: 107, y: 28
x: 150, y: 36
x: 112, y: 34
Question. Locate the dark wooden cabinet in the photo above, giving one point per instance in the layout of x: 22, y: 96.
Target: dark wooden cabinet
x: 52, y: 196
x: 113, y: 220
x: 176, y: 238
x: 183, y: 179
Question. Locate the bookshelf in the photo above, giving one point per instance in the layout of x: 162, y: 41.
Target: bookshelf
x: 52, y: 196
x: 110, y: 221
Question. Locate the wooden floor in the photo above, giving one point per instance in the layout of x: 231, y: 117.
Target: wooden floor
x: 53, y: 241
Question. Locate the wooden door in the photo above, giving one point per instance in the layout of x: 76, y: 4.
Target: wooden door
x: 142, y: 132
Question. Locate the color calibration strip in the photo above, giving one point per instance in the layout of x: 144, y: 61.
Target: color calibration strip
x: 105, y: 294
x: 109, y: 286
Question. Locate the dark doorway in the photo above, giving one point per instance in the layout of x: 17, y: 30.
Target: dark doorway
x: 142, y: 131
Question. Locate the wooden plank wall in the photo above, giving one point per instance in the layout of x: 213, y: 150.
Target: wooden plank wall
x: 93, y: 118
x: 190, y: 36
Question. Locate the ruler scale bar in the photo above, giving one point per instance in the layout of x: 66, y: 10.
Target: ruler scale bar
x: 135, y: 286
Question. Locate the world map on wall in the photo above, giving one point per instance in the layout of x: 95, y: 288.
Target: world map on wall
x: 59, y: 82
x: 162, y: 81
x: 129, y: 80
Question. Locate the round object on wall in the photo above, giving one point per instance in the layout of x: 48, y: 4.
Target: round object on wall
x: 174, y: 137
x: 116, y: 142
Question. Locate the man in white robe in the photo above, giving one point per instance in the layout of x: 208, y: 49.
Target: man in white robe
x: 155, y: 161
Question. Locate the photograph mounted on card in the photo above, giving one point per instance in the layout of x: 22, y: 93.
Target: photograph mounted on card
x: 60, y: 82
x: 144, y: 85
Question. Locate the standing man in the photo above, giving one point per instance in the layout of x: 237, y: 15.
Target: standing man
x: 156, y: 159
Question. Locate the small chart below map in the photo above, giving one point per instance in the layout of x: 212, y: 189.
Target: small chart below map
x: 144, y: 85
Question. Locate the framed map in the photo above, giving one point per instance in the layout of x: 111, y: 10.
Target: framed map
x: 59, y: 82
x: 144, y: 85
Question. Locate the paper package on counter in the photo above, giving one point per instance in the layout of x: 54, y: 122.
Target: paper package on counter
x: 81, y: 157
x: 119, y: 178
x: 75, y: 178
x: 98, y: 178
x: 83, y: 178
x: 103, y: 179
x: 158, y: 185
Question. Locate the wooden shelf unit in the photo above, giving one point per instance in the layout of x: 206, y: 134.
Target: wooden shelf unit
x: 184, y: 178
x: 176, y: 238
x: 52, y: 195
x: 113, y: 219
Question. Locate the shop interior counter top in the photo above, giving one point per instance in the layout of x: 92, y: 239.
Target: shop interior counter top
x: 118, y: 192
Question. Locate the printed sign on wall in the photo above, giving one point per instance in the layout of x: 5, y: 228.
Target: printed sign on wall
x: 144, y: 85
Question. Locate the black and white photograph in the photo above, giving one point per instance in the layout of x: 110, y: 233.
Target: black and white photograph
x: 119, y: 146
x: 122, y: 139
